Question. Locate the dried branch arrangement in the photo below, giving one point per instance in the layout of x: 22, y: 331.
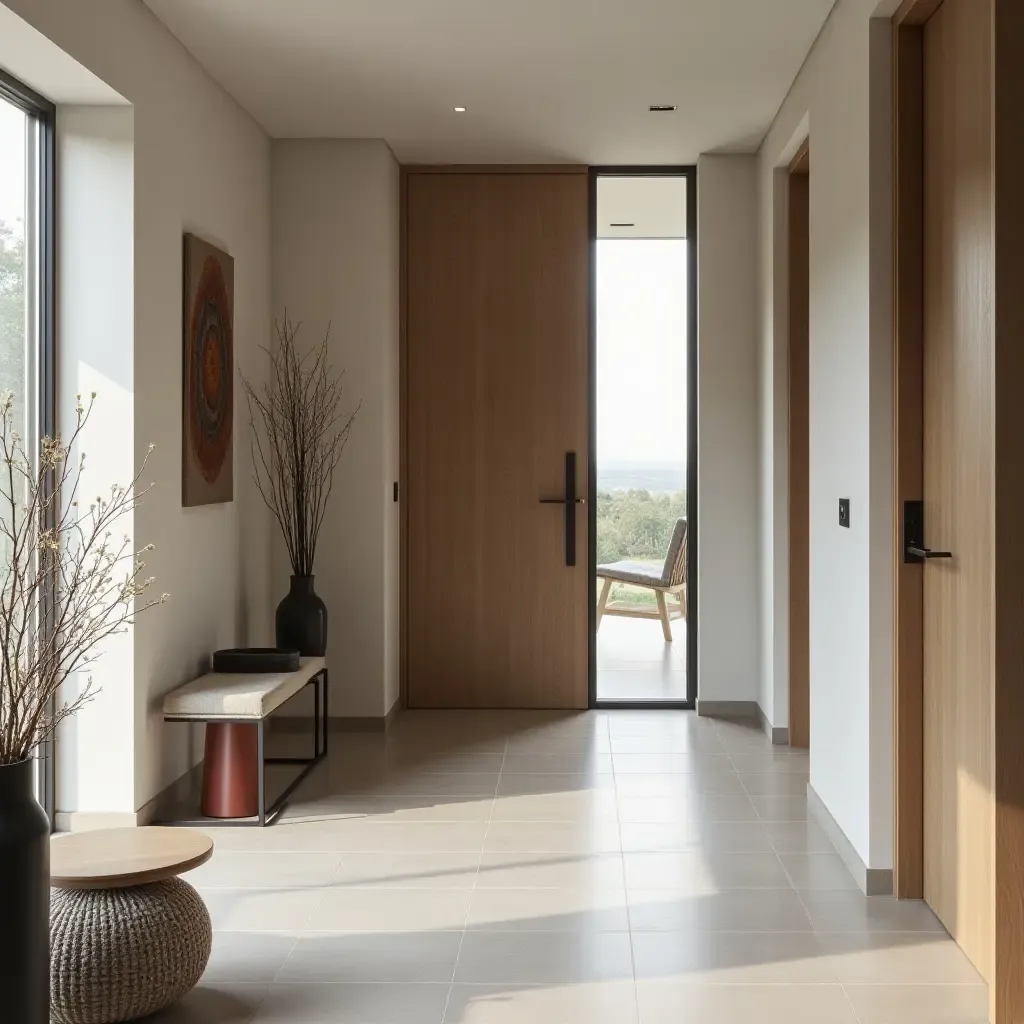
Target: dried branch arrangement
x: 298, y: 435
x: 67, y: 584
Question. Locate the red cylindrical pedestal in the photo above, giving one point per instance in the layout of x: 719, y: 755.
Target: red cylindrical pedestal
x: 230, y: 788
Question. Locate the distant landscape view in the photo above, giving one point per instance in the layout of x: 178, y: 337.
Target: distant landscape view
x: 637, y: 508
x: 656, y: 477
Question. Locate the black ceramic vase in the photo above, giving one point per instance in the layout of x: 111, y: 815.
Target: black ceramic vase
x: 301, y: 623
x: 24, y: 898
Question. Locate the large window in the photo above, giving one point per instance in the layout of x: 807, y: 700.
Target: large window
x: 26, y: 283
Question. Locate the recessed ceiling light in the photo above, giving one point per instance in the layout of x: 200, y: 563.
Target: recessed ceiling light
x: 460, y: 110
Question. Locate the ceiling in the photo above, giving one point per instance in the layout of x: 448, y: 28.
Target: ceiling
x: 542, y: 80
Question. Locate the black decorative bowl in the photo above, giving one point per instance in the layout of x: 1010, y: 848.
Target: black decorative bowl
x: 255, y: 659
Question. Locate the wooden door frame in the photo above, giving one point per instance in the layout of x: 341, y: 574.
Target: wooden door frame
x: 798, y: 291
x: 908, y: 442
x: 404, y: 172
x: 689, y: 173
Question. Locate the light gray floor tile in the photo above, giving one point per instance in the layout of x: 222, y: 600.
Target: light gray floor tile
x: 734, y: 910
x: 261, y: 910
x: 353, y: 1004
x: 780, y: 808
x: 391, y: 910
x: 547, y: 870
x: 785, y: 784
x: 230, y: 869
x: 732, y: 958
x: 214, y: 1003
x: 554, y: 836
x: 686, y: 807
x: 548, y: 958
x: 670, y: 1002
x: 567, y: 763
x: 590, y: 1003
x: 247, y: 957
x: 549, y: 910
x: 586, y: 805
x: 817, y: 871
x: 891, y: 958
x: 798, y: 837
x: 408, y: 870
x: 326, y: 957
x: 920, y: 1004
x: 700, y: 871
x: 716, y: 836
x: 851, y: 911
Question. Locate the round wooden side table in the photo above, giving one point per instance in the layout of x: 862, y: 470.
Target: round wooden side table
x: 127, y: 935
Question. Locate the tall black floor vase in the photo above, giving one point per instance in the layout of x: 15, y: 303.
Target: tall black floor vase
x: 301, y: 622
x: 24, y: 898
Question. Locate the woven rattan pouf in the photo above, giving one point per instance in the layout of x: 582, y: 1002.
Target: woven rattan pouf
x: 120, y: 951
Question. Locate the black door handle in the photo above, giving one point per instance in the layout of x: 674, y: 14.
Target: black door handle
x: 570, y: 501
x: 924, y: 553
x: 913, y: 535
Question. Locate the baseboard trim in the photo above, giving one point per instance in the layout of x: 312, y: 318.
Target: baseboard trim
x: 341, y: 723
x: 778, y: 734
x: 871, y: 881
x: 89, y: 821
x: 727, y: 708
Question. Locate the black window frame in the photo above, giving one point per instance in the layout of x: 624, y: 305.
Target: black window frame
x: 688, y: 172
x: 44, y: 113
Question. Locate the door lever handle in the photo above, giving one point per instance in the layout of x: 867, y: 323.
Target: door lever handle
x: 914, y: 551
x: 570, y: 501
x: 924, y: 553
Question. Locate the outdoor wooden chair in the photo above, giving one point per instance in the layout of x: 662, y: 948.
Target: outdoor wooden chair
x: 670, y: 580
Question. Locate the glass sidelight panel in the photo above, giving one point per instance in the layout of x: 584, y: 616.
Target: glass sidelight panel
x: 642, y: 446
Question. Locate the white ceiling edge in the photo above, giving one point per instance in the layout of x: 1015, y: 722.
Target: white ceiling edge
x: 543, y: 81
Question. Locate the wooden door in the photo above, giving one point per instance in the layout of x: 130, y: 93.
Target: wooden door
x: 959, y: 477
x: 496, y: 395
x: 799, y: 467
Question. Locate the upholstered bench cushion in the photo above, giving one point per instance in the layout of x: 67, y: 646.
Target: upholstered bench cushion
x: 225, y: 695
x: 632, y: 572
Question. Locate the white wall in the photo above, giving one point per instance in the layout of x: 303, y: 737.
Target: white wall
x: 335, y: 259
x: 200, y: 164
x: 841, y: 96
x: 727, y: 429
x: 95, y: 325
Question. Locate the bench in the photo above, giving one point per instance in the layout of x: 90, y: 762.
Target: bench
x: 235, y: 709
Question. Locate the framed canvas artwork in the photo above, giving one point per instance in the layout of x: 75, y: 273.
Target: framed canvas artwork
x: 207, y: 457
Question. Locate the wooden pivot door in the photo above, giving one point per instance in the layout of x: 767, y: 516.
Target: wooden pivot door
x: 959, y: 476
x: 496, y: 397
x: 959, y: 378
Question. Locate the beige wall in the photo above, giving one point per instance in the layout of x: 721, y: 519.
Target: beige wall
x: 335, y: 260
x: 201, y: 164
x: 842, y: 98
x: 727, y: 428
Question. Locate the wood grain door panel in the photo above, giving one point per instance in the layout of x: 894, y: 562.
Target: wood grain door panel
x: 959, y: 476
x: 496, y: 394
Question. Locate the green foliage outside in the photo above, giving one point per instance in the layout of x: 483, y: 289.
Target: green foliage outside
x: 637, y: 526
x: 12, y: 329
x: 12, y: 311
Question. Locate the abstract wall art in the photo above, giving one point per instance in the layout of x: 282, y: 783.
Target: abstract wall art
x: 207, y: 460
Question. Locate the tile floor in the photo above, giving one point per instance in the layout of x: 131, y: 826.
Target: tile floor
x: 600, y: 868
x: 635, y: 663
